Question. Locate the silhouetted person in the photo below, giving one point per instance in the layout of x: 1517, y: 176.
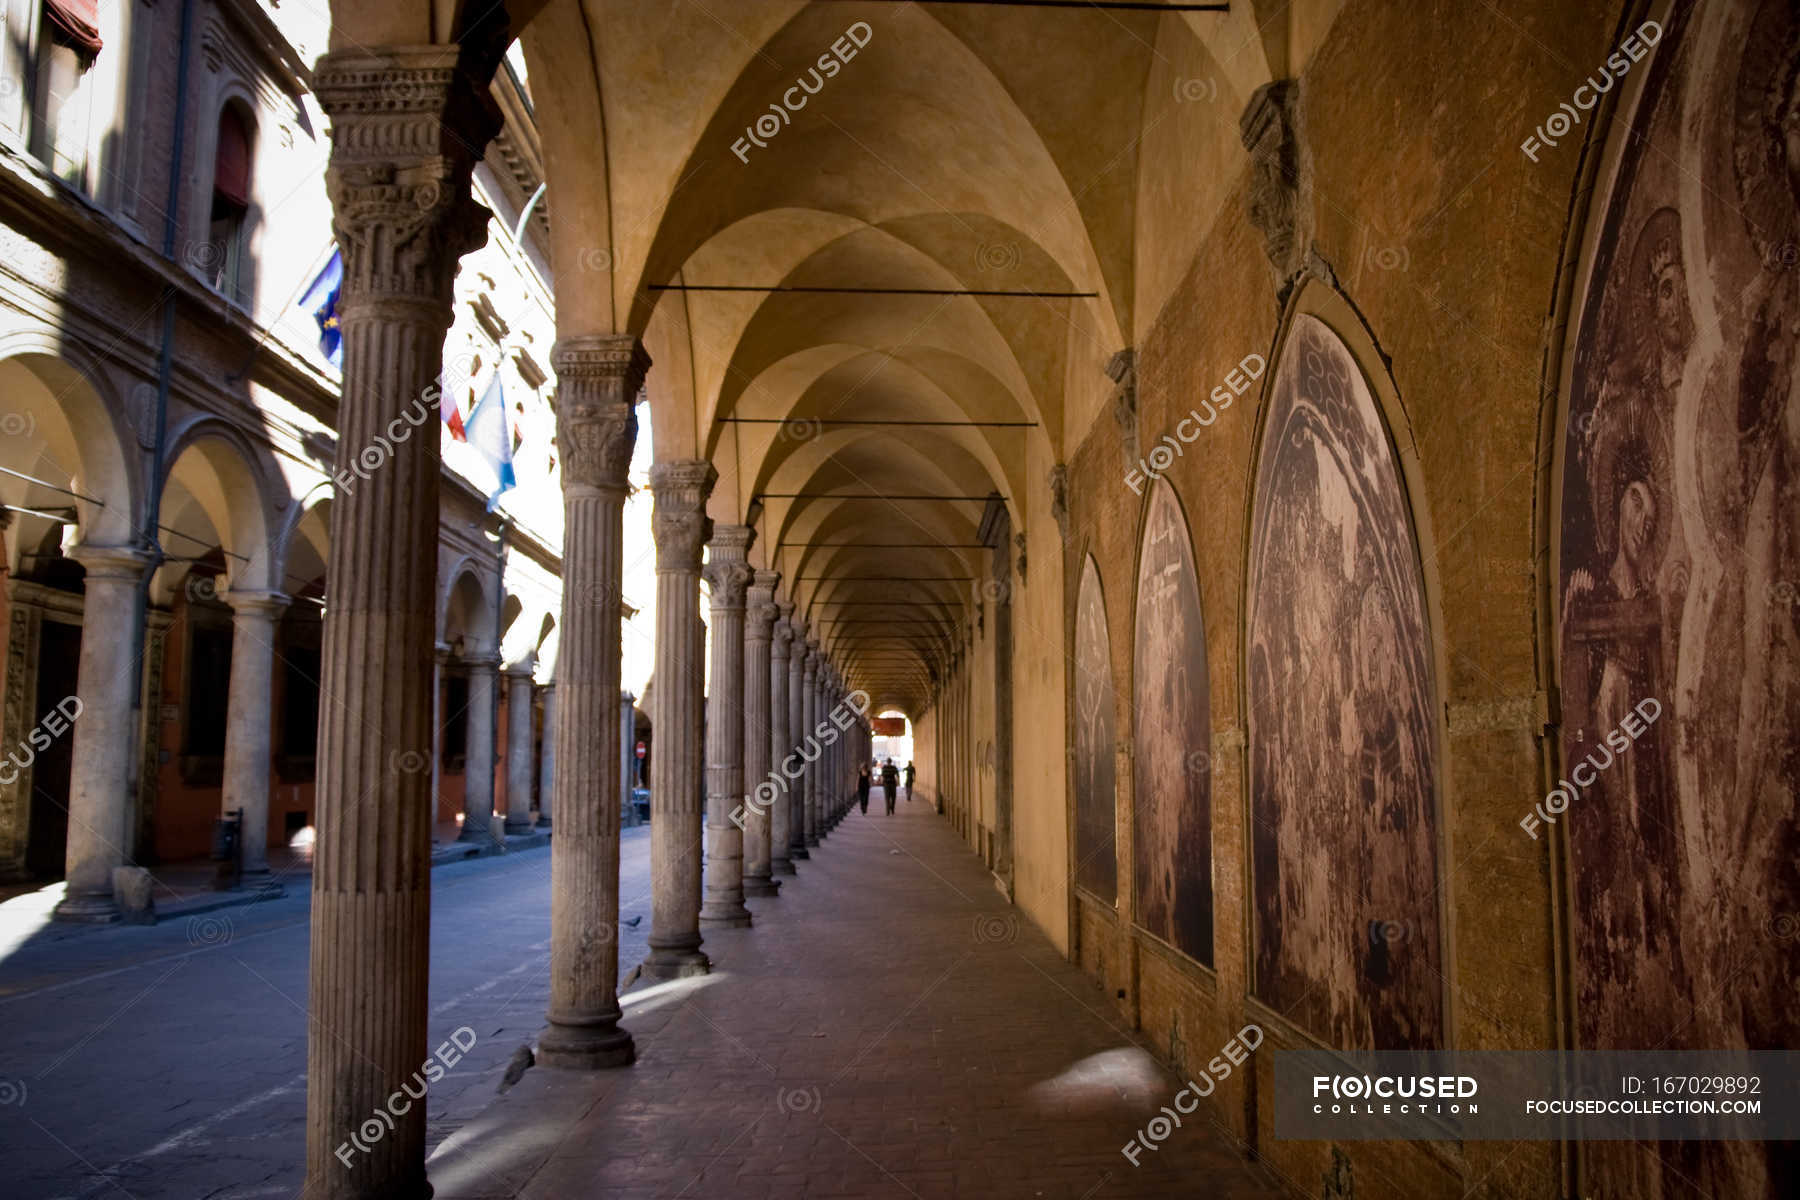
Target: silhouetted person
x: 910, y: 776
x: 890, y: 783
x: 862, y: 787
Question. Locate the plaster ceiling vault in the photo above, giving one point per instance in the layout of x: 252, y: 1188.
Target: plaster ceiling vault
x: 966, y: 150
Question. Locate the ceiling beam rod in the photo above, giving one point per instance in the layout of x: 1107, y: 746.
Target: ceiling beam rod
x: 1174, y: 6
x: 1020, y: 293
x: 889, y: 545
x: 868, y: 496
x: 873, y: 422
x: 884, y: 578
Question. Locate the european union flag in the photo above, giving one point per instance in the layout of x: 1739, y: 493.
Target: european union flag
x: 321, y: 300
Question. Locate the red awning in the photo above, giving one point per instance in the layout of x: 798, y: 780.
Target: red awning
x: 231, y: 164
x: 78, y: 21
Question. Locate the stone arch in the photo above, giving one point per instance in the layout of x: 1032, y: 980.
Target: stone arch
x: 467, y: 609
x: 226, y: 479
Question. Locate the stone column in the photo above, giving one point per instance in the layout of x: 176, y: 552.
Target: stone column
x: 247, y: 733
x: 627, y: 755
x: 809, y: 717
x: 547, y: 758
x: 763, y: 794
x: 440, y: 658
x: 100, y: 774
x: 478, y: 756
x: 682, y: 529
x: 598, y: 378
x: 781, y: 746
x: 408, y: 124
x: 728, y: 575
x: 518, y: 747
x: 797, y: 840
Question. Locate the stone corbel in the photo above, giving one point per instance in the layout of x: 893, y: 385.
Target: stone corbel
x: 1280, y: 202
x: 1122, y: 370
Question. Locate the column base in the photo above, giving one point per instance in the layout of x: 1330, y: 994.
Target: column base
x: 725, y: 914
x: 798, y: 852
x: 86, y: 910
x: 675, y: 964
x: 782, y: 866
x: 761, y: 885
x: 524, y: 826
x: 813, y: 841
x: 585, y: 1047
x: 472, y: 834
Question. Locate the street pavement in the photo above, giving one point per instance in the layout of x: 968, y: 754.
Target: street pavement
x: 170, y: 1060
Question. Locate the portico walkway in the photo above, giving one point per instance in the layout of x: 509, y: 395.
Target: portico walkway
x: 888, y: 1028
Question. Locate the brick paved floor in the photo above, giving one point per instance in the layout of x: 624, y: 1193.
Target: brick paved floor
x: 888, y: 1028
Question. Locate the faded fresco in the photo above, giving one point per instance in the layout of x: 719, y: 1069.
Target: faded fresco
x: 1096, y: 857
x: 1342, y: 731
x: 1678, y: 567
x: 1172, y: 735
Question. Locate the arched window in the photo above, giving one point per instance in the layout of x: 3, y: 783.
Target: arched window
x: 231, y: 204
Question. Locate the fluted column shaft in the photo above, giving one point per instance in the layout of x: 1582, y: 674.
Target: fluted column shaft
x: 104, y: 741
x: 763, y: 793
x: 809, y: 717
x: 478, y: 755
x: 682, y: 529
x: 519, y: 765
x: 598, y: 377
x: 797, y: 839
x: 728, y: 575
x: 407, y: 126
x: 248, y: 739
x: 781, y: 812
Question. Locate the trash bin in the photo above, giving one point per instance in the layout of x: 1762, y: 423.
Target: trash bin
x: 228, y: 849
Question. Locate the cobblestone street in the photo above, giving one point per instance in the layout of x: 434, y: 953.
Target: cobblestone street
x: 170, y: 1061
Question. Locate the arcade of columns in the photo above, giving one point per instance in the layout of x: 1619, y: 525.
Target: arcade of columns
x: 407, y: 126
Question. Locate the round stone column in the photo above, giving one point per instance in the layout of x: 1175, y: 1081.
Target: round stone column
x: 681, y: 527
x: 761, y: 791
x: 598, y: 378
x: 478, y: 750
x: 247, y: 734
x: 728, y: 575
x: 407, y: 126
x: 797, y: 842
x: 518, y: 748
x: 104, y: 740
x: 781, y: 746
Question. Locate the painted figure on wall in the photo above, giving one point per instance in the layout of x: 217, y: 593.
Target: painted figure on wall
x: 1342, y: 733
x: 1679, y: 565
x: 1172, y: 738
x: 1096, y: 858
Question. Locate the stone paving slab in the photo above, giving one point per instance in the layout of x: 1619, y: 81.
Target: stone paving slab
x: 888, y: 1026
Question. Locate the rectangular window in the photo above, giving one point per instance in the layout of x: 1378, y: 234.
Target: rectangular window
x: 68, y: 40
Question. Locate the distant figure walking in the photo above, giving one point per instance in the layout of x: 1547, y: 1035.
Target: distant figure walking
x: 910, y: 776
x: 862, y: 787
x: 890, y: 783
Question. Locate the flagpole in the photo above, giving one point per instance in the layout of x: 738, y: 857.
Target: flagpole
x: 312, y: 273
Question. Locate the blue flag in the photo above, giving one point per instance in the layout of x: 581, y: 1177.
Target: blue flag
x: 321, y: 300
x: 488, y: 434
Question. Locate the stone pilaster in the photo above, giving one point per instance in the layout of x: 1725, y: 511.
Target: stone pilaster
x: 763, y: 793
x: 100, y: 770
x: 518, y: 748
x: 781, y: 745
x: 682, y: 529
x: 727, y: 575
x: 478, y: 749
x: 247, y: 734
x: 809, y: 741
x: 407, y: 126
x: 598, y: 379
x: 547, y: 757
x: 797, y: 843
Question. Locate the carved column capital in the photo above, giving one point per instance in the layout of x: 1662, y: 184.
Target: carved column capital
x: 727, y: 571
x: 679, y: 520
x: 598, y: 377
x: 759, y: 614
x: 811, y: 663
x: 408, y: 125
